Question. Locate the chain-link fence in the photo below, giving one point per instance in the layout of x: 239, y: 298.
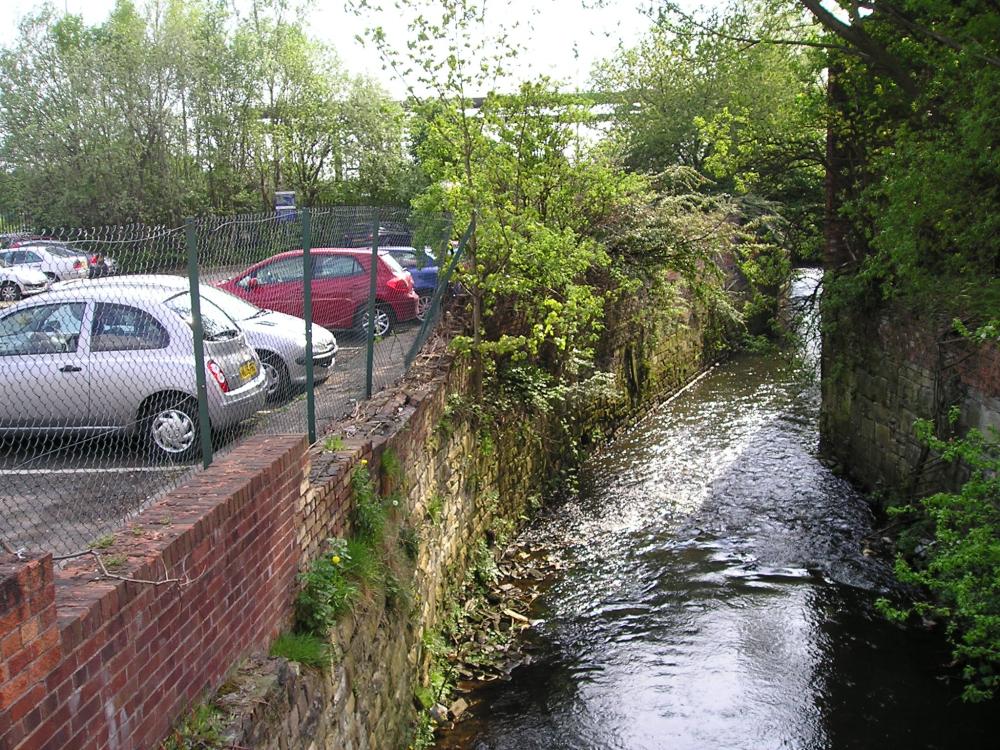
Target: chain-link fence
x: 118, y: 381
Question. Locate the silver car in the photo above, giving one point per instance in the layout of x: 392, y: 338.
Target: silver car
x: 54, y: 260
x: 20, y: 281
x: 278, y: 339
x: 99, y: 359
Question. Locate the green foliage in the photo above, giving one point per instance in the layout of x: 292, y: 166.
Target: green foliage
x: 368, y: 514
x: 959, y: 568
x: 178, y: 108
x: 304, y: 648
x: 751, y: 117
x: 435, y: 507
x: 918, y: 170
x: 362, y: 562
x: 333, y: 443
x: 103, y: 542
x: 115, y: 562
x: 200, y: 730
x: 326, y: 592
x: 521, y: 168
x: 390, y: 465
x: 365, y: 562
x: 423, y: 733
x: 484, y: 564
x: 409, y: 541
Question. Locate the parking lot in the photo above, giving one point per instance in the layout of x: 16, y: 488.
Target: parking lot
x: 58, y: 491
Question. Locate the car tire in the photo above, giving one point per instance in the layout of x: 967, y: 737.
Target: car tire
x: 170, y: 427
x: 384, y: 320
x: 278, y: 383
x: 9, y: 292
x: 424, y: 297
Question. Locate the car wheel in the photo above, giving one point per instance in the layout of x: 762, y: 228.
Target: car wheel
x: 384, y: 320
x: 278, y: 382
x: 424, y: 303
x: 10, y: 292
x: 170, y: 428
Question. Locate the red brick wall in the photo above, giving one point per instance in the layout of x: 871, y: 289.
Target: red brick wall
x: 88, y: 661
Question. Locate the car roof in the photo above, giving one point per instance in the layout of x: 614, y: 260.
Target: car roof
x: 42, y: 244
x: 355, y: 251
x: 108, y: 293
x: 142, y: 280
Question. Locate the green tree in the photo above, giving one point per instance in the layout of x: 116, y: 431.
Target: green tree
x: 711, y: 94
x: 183, y: 106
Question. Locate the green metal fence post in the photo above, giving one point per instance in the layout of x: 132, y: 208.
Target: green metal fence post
x: 307, y: 313
x: 204, y: 422
x: 370, y: 333
x: 435, y: 306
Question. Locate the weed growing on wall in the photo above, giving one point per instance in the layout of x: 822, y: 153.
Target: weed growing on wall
x: 368, y: 516
x: 333, y: 443
x: 326, y: 592
x: 364, y: 563
x: 958, y: 566
x: 390, y: 465
x: 200, y: 730
x: 409, y: 541
x: 304, y: 648
x: 435, y: 507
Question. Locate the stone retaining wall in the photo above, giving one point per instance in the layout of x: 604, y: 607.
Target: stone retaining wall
x: 456, y: 486
x: 880, y: 376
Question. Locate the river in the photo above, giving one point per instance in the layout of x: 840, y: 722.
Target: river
x: 720, y: 593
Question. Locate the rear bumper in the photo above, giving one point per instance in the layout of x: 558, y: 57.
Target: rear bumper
x: 100, y: 271
x: 227, y: 409
x: 405, y: 307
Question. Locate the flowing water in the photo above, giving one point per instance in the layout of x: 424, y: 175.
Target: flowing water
x: 720, y: 595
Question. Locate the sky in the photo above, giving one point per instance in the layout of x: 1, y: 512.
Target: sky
x: 562, y: 38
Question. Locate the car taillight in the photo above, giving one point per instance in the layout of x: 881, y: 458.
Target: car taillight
x: 400, y: 283
x: 218, y: 375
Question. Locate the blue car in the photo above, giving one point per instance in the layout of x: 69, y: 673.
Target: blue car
x: 423, y: 267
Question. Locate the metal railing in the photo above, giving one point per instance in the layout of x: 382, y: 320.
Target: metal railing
x: 118, y: 380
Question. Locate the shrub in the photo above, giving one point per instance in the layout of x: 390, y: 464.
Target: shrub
x: 959, y: 568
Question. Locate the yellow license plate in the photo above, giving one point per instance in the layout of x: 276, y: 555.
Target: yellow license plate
x: 248, y: 370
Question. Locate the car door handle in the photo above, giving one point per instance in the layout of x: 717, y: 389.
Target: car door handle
x: 70, y: 368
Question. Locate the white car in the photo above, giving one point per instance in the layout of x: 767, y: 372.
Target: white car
x: 58, y: 262
x: 20, y: 281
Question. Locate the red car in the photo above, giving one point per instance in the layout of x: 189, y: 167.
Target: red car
x: 339, y: 288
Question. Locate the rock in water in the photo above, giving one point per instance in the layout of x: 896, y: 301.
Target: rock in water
x: 458, y: 708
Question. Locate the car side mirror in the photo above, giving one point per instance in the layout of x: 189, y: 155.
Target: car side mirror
x: 252, y: 283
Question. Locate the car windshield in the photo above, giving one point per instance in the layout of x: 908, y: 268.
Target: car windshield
x: 215, y: 323
x: 62, y: 251
x: 230, y: 304
x: 391, y: 262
